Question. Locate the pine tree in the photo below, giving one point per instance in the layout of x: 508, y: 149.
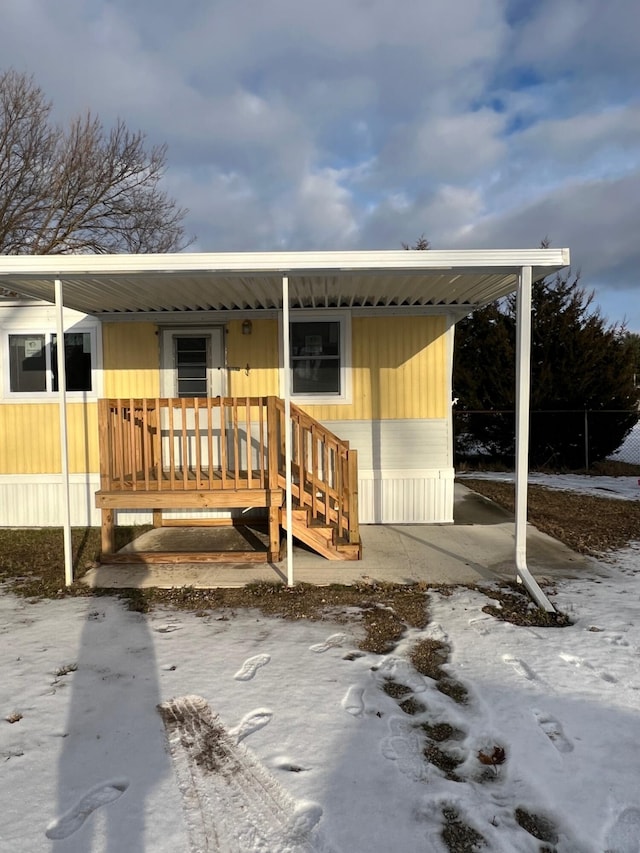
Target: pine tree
x: 578, y: 363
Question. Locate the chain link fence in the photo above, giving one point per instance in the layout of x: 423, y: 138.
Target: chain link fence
x: 486, y: 437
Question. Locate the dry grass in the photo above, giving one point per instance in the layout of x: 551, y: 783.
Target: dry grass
x: 518, y: 608
x: 587, y: 524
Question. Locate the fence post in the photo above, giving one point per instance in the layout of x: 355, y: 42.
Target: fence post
x: 586, y: 440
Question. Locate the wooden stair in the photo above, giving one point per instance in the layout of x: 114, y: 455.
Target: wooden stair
x: 319, y: 536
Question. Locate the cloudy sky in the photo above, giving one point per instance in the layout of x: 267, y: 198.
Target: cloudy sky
x: 359, y: 124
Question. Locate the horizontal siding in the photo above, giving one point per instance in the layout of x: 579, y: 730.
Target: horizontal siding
x: 398, y: 445
x: 31, y: 438
x: 259, y: 351
x: 131, y: 359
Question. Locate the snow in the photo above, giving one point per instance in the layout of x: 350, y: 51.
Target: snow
x: 277, y: 736
x: 629, y: 450
x: 623, y: 488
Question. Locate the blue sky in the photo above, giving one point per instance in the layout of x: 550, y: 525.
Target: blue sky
x: 359, y: 124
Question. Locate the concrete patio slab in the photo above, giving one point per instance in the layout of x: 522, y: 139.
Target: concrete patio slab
x: 477, y: 547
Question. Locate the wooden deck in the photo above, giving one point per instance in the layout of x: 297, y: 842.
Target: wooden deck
x: 226, y: 453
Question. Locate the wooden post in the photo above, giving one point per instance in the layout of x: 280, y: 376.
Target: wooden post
x: 107, y: 537
x: 273, y: 554
x: 354, y: 525
x: 157, y: 518
x: 272, y: 443
x: 103, y: 444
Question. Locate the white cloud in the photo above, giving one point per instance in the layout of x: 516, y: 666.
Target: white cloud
x: 364, y: 123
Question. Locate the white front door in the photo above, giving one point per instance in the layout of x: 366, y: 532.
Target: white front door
x: 192, y: 362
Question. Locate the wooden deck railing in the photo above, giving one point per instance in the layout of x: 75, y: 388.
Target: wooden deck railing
x: 227, y: 443
x: 324, y: 471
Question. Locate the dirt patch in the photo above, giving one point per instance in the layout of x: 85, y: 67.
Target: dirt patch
x: 516, y: 607
x: 587, y: 524
x: 457, y: 835
x: 441, y: 732
x: 444, y: 760
x: 537, y: 825
x: 412, y: 707
x: 428, y: 656
x: 395, y: 690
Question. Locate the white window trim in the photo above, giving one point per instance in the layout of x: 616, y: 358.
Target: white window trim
x: 311, y: 315
x: 92, y: 329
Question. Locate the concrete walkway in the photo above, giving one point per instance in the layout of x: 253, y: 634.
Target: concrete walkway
x: 478, y: 546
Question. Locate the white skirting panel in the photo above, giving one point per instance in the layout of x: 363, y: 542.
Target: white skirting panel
x: 403, y: 497
x: 405, y: 476
x: 400, y: 496
x: 35, y: 501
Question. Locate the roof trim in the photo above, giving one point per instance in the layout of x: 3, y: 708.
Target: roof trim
x: 68, y: 266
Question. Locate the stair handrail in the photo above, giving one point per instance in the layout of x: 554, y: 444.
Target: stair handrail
x: 324, y: 472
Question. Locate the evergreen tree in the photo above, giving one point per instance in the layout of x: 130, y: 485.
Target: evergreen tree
x: 578, y: 362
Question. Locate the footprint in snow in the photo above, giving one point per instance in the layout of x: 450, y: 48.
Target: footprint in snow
x: 617, y: 640
x: 553, y: 730
x: 353, y: 702
x: 250, y: 723
x: 331, y: 642
x: 581, y: 663
x: 251, y: 666
x: 520, y: 667
x: 100, y: 795
x: 623, y: 836
x: 401, y: 671
x: 576, y: 661
x: 481, y: 625
x: 167, y: 629
x: 435, y: 631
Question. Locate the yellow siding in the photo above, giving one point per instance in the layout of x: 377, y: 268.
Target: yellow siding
x: 31, y: 438
x: 399, y: 370
x: 260, y: 351
x: 131, y: 360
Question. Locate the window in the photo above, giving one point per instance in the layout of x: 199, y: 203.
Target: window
x: 33, y: 365
x: 191, y: 366
x: 319, y: 353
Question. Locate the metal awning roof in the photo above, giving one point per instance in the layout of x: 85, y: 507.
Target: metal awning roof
x: 108, y: 284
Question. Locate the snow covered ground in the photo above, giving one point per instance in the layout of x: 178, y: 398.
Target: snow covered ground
x: 287, y: 741
x: 625, y: 488
x: 629, y: 450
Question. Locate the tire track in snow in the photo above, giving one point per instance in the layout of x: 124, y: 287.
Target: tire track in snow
x: 231, y: 803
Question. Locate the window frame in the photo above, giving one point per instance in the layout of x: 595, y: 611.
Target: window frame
x: 312, y: 316
x: 49, y: 333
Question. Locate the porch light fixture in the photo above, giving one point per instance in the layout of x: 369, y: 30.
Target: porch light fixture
x: 247, y: 327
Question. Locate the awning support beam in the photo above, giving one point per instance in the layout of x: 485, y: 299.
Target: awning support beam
x: 523, y: 395
x: 287, y: 425
x: 64, y: 442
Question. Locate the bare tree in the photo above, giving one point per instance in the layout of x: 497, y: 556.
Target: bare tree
x: 79, y: 189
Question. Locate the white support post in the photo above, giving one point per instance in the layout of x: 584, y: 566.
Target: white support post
x: 287, y: 425
x: 64, y: 443
x: 523, y: 394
